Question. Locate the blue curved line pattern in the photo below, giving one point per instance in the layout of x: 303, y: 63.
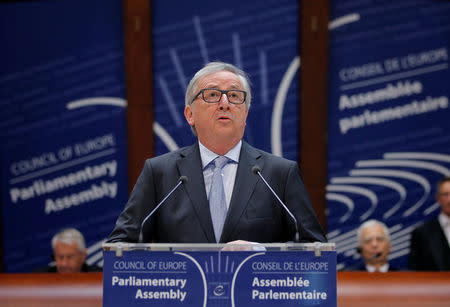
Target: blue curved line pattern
x: 235, y: 275
x: 353, y: 189
x: 357, y: 190
x: 418, y: 155
x: 106, y: 101
x: 347, y: 201
x: 236, y: 43
x: 346, y: 244
x: 377, y: 181
x: 201, y: 39
x: 350, y: 242
x: 263, y: 73
x: 95, y: 253
x: 432, y: 208
x: 278, y: 107
x: 170, y: 102
x: 408, y: 163
x: 342, y: 236
x: 93, y: 258
x: 400, y: 240
x: 387, y: 172
x: 333, y: 234
x: 348, y: 247
x: 164, y: 136
x: 343, y: 20
x: 178, y: 68
x: 205, y: 289
x: 399, y: 174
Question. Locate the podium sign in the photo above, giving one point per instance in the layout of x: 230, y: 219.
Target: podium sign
x: 205, y: 275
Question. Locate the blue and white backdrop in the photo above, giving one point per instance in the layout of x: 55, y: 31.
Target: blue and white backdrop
x: 260, y: 37
x: 389, y: 140
x: 63, y: 153
x: 62, y: 100
x: 63, y: 130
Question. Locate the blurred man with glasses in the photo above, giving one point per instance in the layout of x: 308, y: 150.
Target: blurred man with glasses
x: 430, y: 242
x: 219, y: 202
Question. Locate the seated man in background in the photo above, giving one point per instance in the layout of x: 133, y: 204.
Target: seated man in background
x: 69, y: 252
x: 430, y: 242
x: 374, y: 247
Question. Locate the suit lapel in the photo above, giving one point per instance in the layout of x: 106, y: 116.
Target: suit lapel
x: 244, y: 185
x: 190, y: 165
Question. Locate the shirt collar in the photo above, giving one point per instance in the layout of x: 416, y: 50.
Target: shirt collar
x: 444, y: 220
x: 384, y: 268
x: 207, y: 155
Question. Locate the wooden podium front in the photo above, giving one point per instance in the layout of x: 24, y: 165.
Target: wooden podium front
x: 51, y: 290
x: 354, y: 289
x: 400, y: 289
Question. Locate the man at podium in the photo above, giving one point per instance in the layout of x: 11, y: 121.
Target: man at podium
x: 220, y: 189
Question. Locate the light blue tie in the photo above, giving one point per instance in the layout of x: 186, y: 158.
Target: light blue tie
x: 217, y: 201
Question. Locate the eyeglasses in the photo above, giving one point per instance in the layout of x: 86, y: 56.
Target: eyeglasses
x: 212, y: 95
x: 378, y: 239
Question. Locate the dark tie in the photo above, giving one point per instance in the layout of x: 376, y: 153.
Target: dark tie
x: 217, y: 201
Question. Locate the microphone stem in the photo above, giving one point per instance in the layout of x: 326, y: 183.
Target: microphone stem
x: 159, y: 205
x: 284, y: 206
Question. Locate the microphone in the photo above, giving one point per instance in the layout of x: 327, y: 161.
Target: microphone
x: 257, y: 171
x: 181, y: 180
x: 375, y: 256
x: 359, y: 251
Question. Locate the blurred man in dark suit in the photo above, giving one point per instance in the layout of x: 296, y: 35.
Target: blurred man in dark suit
x: 430, y: 242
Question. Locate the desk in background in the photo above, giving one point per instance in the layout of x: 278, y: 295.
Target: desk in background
x: 355, y: 289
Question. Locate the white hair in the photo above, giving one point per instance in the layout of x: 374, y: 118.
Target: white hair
x: 69, y: 236
x: 370, y: 223
x: 214, y: 67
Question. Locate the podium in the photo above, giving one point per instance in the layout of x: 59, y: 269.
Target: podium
x: 284, y: 274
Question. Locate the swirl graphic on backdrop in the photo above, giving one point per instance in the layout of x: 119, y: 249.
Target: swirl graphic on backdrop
x: 278, y: 106
x: 343, y: 20
x: 159, y: 131
x: 93, y: 101
x: 396, y: 171
x: 95, y: 253
x: 363, y: 175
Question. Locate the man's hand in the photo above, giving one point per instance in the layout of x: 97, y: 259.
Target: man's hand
x: 243, y: 246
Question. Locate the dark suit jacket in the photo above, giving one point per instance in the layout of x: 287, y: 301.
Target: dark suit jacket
x: 429, y: 248
x: 84, y: 268
x: 254, y: 213
x: 361, y: 266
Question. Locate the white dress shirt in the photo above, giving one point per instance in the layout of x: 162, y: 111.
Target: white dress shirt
x: 444, y: 220
x: 228, y: 171
x: 383, y: 269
